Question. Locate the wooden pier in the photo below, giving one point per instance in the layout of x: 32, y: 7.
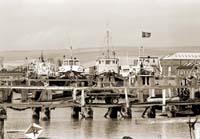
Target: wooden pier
x: 82, y: 100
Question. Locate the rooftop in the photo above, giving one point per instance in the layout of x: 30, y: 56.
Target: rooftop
x: 187, y: 56
x: 186, y: 66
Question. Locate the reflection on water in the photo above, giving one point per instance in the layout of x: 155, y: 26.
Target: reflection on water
x: 62, y: 126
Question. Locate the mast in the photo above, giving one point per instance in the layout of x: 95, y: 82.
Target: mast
x: 108, y: 43
x: 71, y: 52
x: 42, y: 57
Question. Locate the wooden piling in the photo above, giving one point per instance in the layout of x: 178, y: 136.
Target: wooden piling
x: 87, y: 112
x: 3, y: 116
x: 140, y: 95
x: 82, y: 97
x: 1, y: 95
x: 113, y: 112
x: 164, y: 99
x: 1, y: 128
x: 146, y: 81
x: 152, y: 93
x: 75, y: 112
x: 47, y: 114
x: 192, y: 93
x: 36, y: 113
x: 46, y: 95
x: 90, y: 112
x: 74, y: 95
x: 126, y: 112
x: 126, y: 97
x: 24, y: 95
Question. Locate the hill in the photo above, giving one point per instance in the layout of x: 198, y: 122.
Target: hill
x: 88, y: 56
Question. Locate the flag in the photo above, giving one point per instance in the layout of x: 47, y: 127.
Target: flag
x: 146, y: 34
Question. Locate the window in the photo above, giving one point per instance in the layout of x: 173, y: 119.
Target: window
x: 126, y: 70
x: 99, y: 61
x: 107, y: 61
x: 76, y: 62
x: 66, y: 62
x: 70, y: 62
x: 113, y: 61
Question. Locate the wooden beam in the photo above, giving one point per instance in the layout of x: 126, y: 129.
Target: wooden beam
x: 90, y: 88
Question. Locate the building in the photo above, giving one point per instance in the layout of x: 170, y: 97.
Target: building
x: 170, y: 63
x: 185, y: 70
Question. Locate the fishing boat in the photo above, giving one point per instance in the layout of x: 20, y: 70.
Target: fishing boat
x: 108, y: 62
x: 70, y: 72
x: 71, y: 64
x: 107, y: 66
x: 41, y: 68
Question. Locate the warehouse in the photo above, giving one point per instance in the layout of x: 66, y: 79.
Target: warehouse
x: 170, y: 63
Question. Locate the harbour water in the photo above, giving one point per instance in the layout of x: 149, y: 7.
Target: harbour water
x: 61, y: 126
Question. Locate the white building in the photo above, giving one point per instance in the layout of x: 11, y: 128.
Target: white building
x: 170, y: 63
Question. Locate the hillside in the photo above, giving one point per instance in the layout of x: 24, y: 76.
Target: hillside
x: 88, y: 56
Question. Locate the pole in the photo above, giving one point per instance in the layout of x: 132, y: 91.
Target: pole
x: 1, y: 128
x: 74, y: 95
x: 164, y: 99
x: 82, y: 98
x: 126, y: 97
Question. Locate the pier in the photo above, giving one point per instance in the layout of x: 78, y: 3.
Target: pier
x: 113, y: 98
x: 42, y: 91
x: 119, y: 101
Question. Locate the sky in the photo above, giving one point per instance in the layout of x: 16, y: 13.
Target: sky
x: 58, y: 24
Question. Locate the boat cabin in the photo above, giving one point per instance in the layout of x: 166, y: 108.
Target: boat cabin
x: 107, y: 65
x: 71, y: 64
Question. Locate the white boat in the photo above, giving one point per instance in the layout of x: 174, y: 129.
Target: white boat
x: 107, y: 65
x: 41, y: 67
x: 71, y: 64
x: 127, y: 70
x: 147, y: 66
x: 108, y: 62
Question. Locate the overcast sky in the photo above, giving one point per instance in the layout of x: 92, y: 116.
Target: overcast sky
x: 49, y: 24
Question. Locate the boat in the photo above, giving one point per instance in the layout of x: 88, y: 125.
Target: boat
x: 70, y: 72
x: 108, y: 62
x: 71, y: 64
x: 107, y: 66
x: 41, y: 68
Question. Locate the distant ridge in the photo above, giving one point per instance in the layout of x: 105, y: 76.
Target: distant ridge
x: 89, y: 55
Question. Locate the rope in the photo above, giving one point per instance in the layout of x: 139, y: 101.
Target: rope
x: 19, y: 109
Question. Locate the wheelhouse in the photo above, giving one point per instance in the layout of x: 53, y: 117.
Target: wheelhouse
x: 71, y: 61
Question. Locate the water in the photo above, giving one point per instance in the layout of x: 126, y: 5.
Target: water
x: 62, y: 126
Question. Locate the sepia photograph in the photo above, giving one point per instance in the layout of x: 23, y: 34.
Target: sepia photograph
x: 99, y: 69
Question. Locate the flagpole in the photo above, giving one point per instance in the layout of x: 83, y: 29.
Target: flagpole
x: 71, y: 51
x: 145, y: 35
